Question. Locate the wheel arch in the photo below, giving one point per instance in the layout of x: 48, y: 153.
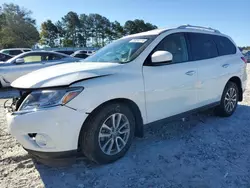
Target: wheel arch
x: 237, y: 81
x: 139, y: 132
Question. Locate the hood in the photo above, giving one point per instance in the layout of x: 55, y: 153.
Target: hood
x: 65, y: 74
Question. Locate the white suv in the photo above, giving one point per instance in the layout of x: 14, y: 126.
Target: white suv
x: 96, y: 107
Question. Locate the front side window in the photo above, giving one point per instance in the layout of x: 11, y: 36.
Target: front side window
x: 33, y: 58
x: 122, y: 50
x: 175, y: 44
x: 202, y: 46
x: 15, y: 52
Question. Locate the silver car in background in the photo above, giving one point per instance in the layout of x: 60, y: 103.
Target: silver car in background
x: 14, y: 51
x: 28, y: 62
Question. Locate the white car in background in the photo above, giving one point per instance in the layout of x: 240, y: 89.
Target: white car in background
x: 83, y: 54
x: 28, y: 62
x: 15, y: 51
x: 96, y: 107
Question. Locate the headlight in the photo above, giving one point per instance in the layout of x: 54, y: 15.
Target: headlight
x: 48, y: 98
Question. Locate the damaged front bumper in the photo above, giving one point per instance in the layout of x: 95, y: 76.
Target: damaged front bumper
x: 51, y: 130
x: 12, y: 105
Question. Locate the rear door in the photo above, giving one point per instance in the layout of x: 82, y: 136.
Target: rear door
x: 231, y: 63
x: 212, y: 68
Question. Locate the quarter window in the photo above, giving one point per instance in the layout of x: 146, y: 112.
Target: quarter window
x: 202, y: 46
x: 15, y: 52
x: 175, y: 44
x: 6, y: 52
x: 224, y: 45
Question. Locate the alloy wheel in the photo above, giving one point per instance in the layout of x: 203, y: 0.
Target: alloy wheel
x: 114, y: 134
x: 230, y: 100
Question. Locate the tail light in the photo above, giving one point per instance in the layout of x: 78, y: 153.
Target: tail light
x: 244, y: 59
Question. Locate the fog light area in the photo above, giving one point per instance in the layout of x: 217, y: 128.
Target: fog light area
x: 41, y: 140
x: 32, y: 135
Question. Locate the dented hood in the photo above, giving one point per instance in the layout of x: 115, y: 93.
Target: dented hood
x: 65, y: 74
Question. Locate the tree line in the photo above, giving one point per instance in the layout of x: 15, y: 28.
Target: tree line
x: 19, y: 29
x: 245, y: 48
x: 88, y: 30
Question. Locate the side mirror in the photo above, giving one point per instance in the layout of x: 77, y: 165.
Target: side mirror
x: 161, y: 57
x: 19, y: 61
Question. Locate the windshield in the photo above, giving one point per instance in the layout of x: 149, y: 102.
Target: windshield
x: 122, y: 50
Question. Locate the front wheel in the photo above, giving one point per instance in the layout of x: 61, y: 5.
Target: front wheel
x: 229, y: 100
x: 108, y: 134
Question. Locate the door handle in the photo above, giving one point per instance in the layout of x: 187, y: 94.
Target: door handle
x: 190, y: 73
x: 225, y: 65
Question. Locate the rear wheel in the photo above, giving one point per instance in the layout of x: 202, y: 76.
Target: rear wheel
x: 108, y: 134
x: 229, y: 100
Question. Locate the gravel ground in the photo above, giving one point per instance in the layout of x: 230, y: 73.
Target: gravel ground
x: 204, y: 151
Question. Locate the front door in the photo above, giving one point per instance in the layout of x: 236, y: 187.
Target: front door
x: 170, y: 88
x: 10, y: 71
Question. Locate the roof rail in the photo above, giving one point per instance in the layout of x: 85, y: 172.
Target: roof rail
x: 198, y: 27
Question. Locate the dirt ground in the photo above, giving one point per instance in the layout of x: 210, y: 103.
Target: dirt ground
x: 204, y: 151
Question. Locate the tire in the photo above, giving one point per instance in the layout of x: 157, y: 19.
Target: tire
x: 93, y: 147
x: 225, y: 109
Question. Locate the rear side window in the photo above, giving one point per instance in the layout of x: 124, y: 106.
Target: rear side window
x: 52, y: 57
x: 84, y: 51
x: 224, y: 45
x: 202, y: 46
x: 15, y: 52
x: 81, y: 55
x: 26, y: 50
x: 65, y: 52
